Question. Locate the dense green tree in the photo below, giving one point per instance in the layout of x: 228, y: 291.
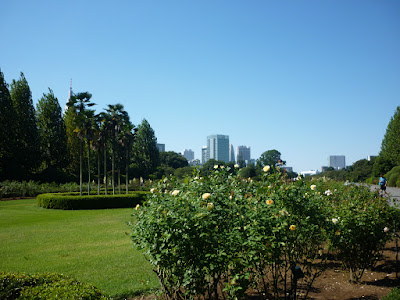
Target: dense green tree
x: 208, y: 167
x: 73, y: 142
x: 52, y: 131
x: 27, y: 153
x: 173, y: 160
x: 389, y: 155
x: 270, y: 158
x: 8, y: 135
x: 145, y: 153
x: 183, y: 172
x: 248, y: 172
x: 360, y: 170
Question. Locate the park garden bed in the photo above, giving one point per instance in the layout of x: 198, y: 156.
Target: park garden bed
x: 224, y: 235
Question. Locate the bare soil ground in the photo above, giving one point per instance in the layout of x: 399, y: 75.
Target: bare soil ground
x: 334, y: 282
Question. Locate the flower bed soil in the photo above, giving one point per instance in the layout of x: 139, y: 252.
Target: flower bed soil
x: 334, y: 282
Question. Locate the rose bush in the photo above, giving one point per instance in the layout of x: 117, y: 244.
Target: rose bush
x: 223, y: 234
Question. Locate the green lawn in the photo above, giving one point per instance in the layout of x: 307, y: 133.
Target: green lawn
x: 91, y: 245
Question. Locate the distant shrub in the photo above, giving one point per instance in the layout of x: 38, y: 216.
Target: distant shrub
x: 393, y: 176
x: 45, y: 286
x: 69, y: 201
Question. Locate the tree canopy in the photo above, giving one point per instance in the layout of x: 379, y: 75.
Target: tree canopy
x: 270, y: 158
x: 7, y: 132
x: 145, y: 152
x: 52, y: 131
x: 27, y: 135
x: 389, y: 155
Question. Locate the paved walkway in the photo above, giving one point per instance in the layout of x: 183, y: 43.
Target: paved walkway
x: 393, y: 193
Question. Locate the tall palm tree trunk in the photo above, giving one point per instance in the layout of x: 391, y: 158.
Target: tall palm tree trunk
x: 80, y: 168
x: 88, y: 167
x: 105, y: 170
x: 98, y: 170
x: 127, y: 170
x: 113, y: 169
x: 119, y: 180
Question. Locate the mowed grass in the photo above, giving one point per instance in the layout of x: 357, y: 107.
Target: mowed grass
x: 93, y: 246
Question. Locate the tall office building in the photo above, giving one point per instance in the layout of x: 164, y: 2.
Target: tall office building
x: 337, y: 162
x: 218, y: 147
x: 243, y: 154
x: 231, y: 153
x: 161, y: 147
x: 188, y: 154
x: 204, y: 155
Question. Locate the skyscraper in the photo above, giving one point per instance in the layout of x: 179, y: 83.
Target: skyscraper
x: 243, y: 154
x: 218, y: 147
x: 337, y: 162
x: 204, y: 155
x: 231, y: 153
x: 188, y: 154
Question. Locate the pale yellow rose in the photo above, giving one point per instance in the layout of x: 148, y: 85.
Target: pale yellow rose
x: 210, y: 206
x: 266, y: 168
x: 137, y: 207
x: 205, y: 196
x: 313, y: 186
x: 175, y: 193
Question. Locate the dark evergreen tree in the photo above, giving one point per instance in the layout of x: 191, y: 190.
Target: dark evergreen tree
x: 8, y: 135
x: 52, y: 131
x: 389, y: 156
x: 27, y: 153
x: 145, y: 152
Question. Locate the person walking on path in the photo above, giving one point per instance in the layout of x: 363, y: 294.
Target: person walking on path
x: 383, y: 184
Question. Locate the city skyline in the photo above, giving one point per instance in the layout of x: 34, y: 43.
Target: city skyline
x: 307, y: 78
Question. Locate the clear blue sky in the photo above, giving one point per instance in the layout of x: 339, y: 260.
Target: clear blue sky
x: 309, y: 78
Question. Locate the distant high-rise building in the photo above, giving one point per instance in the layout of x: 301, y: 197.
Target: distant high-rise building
x: 337, y: 162
x: 370, y: 157
x: 231, y: 153
x: 161, y: 147
x: 188, y: 154
x: 204, y: 155
x: 243, y: 154
x: 218, y: 147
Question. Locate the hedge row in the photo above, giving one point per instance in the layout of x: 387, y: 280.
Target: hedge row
x: 73, y: 201
x: 45, y: 286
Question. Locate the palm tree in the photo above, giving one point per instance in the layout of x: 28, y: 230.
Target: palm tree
x: 79, y: 103
x: 126, y: 138
x: 117, y: 117
x: 89, y: 127
x: 96, y: 145
x: 104, y: 119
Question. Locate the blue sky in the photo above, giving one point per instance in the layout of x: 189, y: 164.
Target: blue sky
x: 309, y: 78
